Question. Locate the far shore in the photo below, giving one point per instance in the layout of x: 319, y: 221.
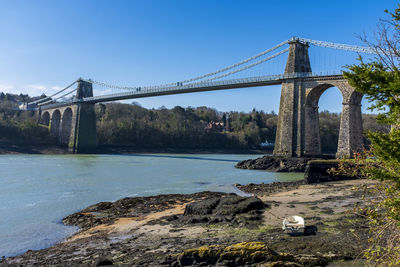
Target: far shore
x: 24, y: 148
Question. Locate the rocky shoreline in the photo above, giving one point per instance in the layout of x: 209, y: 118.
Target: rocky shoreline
x: 278, y: 163
x: 24, y: 148
x: 210, y: 228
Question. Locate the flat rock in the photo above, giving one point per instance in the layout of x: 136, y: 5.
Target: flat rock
x: 229, y: 208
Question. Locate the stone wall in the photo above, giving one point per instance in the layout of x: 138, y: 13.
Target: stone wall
x: 317, y: 171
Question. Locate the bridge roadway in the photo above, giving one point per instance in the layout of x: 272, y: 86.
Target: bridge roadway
x: 149, y: 91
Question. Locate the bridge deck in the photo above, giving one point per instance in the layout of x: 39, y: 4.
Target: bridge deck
x: 196, y: 87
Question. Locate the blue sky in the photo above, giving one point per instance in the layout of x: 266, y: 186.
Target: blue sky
x: 47, y: 44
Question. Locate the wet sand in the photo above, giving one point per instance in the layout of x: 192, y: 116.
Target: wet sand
x: 152, y: 231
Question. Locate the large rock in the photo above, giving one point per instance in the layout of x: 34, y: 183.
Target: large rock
x: 241, y: 254
x: 226, y: 205
x: 107, y: 212
x: 203, y: 207
x: 318, y: 171
x: 275, y: 163
x: 267, y: 189
x: 226, y: 208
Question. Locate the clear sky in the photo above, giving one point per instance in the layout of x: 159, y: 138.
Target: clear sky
x: 47, y: 44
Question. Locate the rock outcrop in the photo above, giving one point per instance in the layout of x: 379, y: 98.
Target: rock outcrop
x: 275, y: 163
x: 107, y: 212
x: 241, y: 254
x: 229, y: 209
x: 318, y: 171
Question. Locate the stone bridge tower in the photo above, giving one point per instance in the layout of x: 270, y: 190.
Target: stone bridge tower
x: 298, y: 123
x: 84, y: 137
x: 74, y: 124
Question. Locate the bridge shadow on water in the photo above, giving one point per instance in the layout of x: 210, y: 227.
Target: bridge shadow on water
x: 181, y: 157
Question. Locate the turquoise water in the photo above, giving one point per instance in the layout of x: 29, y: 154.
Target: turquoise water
x: 37, y: 191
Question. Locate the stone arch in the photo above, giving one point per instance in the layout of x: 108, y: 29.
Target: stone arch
x: 313, y: 96
x: 350, y: 131
x: 312, y: 144
x: 45, y: 118
x: 55, y: 123
x: 355, y: 98
x: 66, y: 123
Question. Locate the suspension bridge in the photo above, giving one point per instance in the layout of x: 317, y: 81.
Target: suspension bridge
x: 69, y: 113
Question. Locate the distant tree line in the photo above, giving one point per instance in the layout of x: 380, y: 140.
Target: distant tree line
x: 186, y: 127
x: 20, y: 126
x: 131, y: 124
x: 182, y: 127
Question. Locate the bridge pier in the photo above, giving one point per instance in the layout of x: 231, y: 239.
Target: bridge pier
x: 290, y: 129
x: 351, y: 131
x: 83, y: 137
x: 74, y: 124
x: 313, y: 139
x: 298, y: 132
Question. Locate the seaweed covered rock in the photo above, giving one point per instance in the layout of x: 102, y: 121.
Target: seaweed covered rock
x: 243, y: 254
x: 205, y: 254
x: 240, y: 254
x: 318, y: 171
x: 275, y: 163
x: 227, y: 208
x: 234, y: 204
x: 203, y: 207
x: 267, y: 189
x: 226, y: 205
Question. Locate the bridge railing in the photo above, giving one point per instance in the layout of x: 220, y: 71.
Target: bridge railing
x: 153, y: 90
x: 198, y: 85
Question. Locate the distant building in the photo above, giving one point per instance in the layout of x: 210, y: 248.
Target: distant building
x: 267, y: 144
x: 215, y: 126
x: 23, y: 106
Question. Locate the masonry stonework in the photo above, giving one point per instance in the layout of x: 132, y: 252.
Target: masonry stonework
x: 298, y: 123
x: 74, y: 124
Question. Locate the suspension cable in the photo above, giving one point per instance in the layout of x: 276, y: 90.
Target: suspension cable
x: 209, y: 74
x: 49, y: 97
x: 237, y: 64
x: 55, y: 99
x: 249, y: 66
x: 112, y: 86
x: 359, y: 49
x: 346, y: 47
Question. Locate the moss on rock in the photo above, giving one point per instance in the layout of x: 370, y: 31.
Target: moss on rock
x: 244, y: 253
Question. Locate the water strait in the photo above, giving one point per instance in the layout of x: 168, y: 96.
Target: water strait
x: 37, y: 191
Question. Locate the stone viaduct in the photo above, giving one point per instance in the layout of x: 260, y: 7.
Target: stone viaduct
x: 298, y: 135
x: 73, y: 124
